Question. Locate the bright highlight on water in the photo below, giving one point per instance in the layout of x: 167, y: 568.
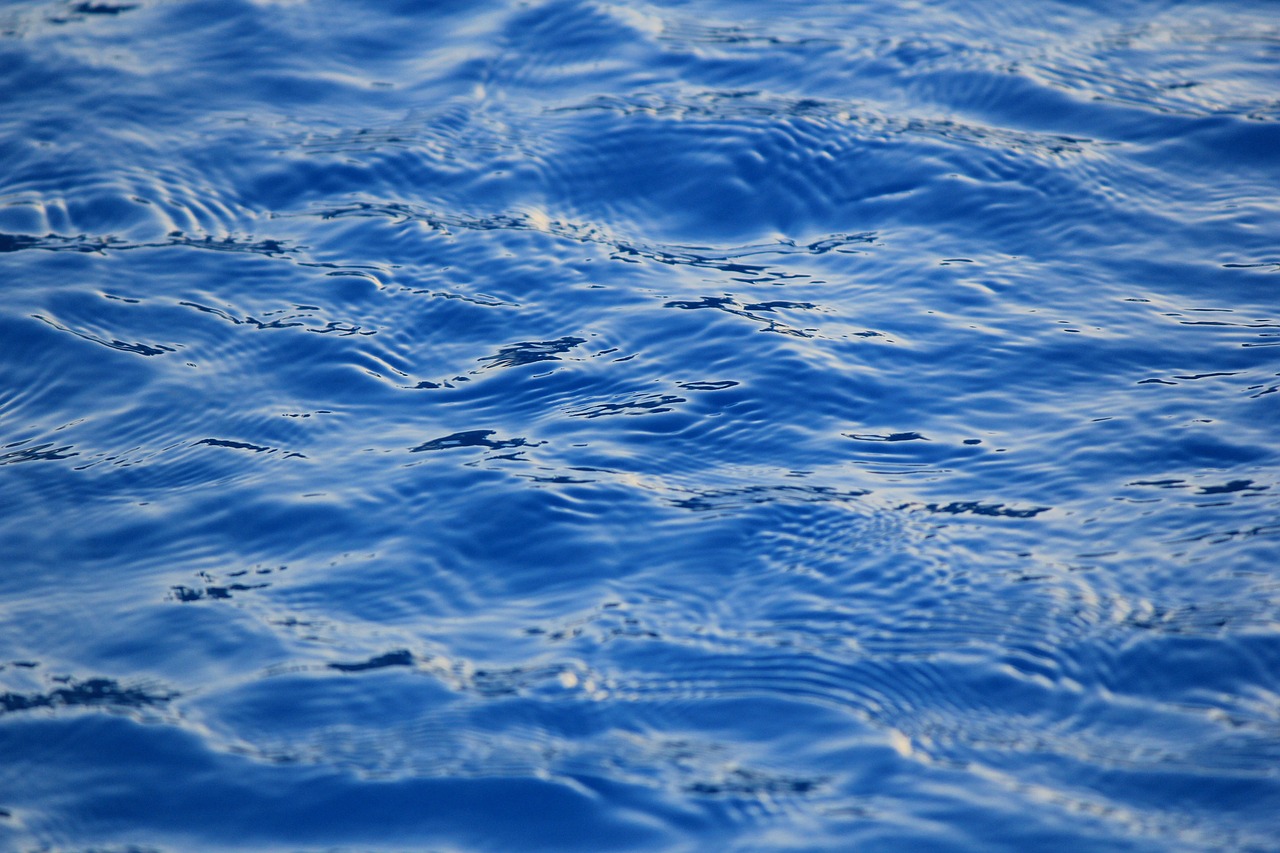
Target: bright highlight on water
x: 673, y: 426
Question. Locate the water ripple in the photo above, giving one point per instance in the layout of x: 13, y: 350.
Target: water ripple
x: 569, y: 425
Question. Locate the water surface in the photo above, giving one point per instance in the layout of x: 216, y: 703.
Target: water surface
x: 667, y: 426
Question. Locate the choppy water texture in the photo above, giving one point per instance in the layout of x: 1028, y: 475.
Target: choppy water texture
x: 672, y: 426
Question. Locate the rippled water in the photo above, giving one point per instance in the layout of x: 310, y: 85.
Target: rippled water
x: 668, y: 426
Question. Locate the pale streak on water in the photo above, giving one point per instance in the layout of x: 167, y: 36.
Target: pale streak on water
x: 674, y: 426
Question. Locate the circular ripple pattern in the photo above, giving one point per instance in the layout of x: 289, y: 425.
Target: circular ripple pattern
x: 670, y: 426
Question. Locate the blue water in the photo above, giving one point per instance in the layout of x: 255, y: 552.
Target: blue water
x: 691, y: 425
